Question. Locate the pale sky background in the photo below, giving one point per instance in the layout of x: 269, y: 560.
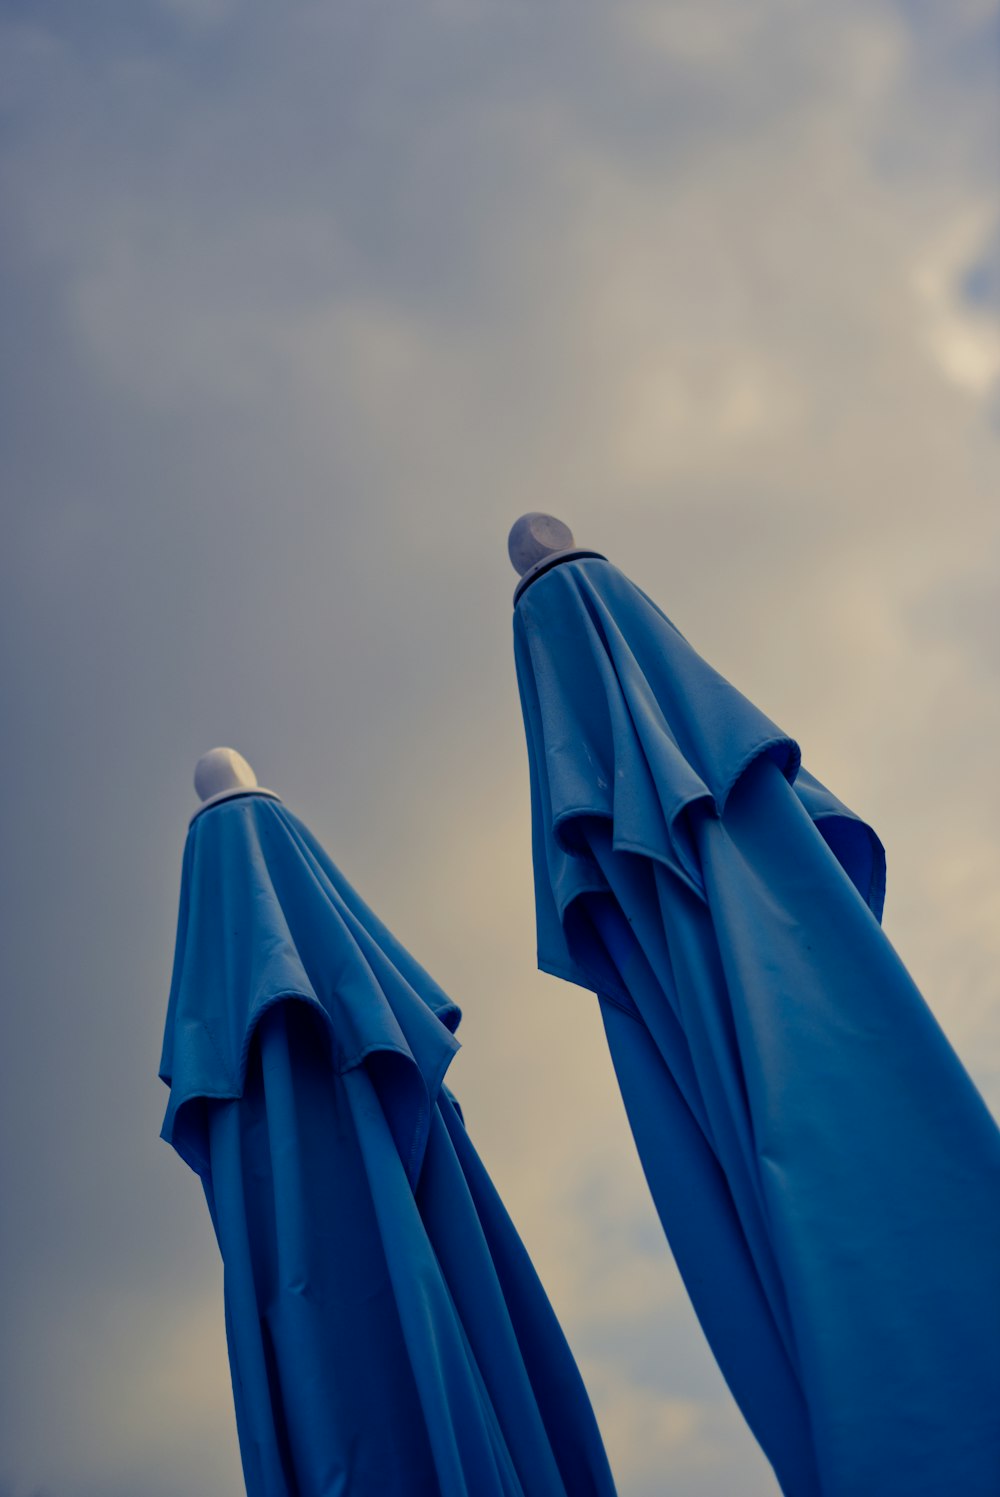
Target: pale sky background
x: 302, y: 305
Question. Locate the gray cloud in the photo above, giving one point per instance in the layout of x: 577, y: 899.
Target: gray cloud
x: 299, y: 313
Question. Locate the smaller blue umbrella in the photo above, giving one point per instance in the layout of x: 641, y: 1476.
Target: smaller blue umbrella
x: 387, y: 1332
x: 826, y: 1173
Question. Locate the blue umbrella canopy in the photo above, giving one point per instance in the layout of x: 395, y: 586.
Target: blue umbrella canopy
x: 825, y: 1171
x: 387, y: 1332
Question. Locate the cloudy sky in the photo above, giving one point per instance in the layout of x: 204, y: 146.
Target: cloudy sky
x: 302, y: 305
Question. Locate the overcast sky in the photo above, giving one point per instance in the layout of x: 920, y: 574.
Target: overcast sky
x: 302, y: 305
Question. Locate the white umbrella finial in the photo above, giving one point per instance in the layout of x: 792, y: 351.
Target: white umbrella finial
x: 223, y: 774
x: 534, y: 537
x: 222, y: 770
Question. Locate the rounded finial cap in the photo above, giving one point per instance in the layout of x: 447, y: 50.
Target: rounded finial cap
x: 222, y: 770
x: 534, y: 537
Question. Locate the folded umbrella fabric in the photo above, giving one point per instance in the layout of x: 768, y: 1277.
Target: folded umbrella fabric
x: 826, y: 1173
x: 387, y: 1332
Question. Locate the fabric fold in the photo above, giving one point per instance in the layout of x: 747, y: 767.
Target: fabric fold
x: 266, y: 917
x: 628, y: 724
x: 826, y: 1173
x: 387, y: 1332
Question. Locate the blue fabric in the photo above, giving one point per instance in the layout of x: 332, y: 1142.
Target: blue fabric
x: 387, y: 1332
x: 826, y: 1173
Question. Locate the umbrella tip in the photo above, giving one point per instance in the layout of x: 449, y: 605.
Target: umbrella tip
x: 534, y: 537
x: 222, y: 769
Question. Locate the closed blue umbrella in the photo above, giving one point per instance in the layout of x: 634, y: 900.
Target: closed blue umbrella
x: 826, y: 1173
x: 387, y: 1332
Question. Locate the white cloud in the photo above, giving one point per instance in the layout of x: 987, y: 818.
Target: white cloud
x: 964, y: 342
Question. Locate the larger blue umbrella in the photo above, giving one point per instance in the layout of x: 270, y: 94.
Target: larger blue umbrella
x: 388, y: 1336
x: 826, y: 1173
